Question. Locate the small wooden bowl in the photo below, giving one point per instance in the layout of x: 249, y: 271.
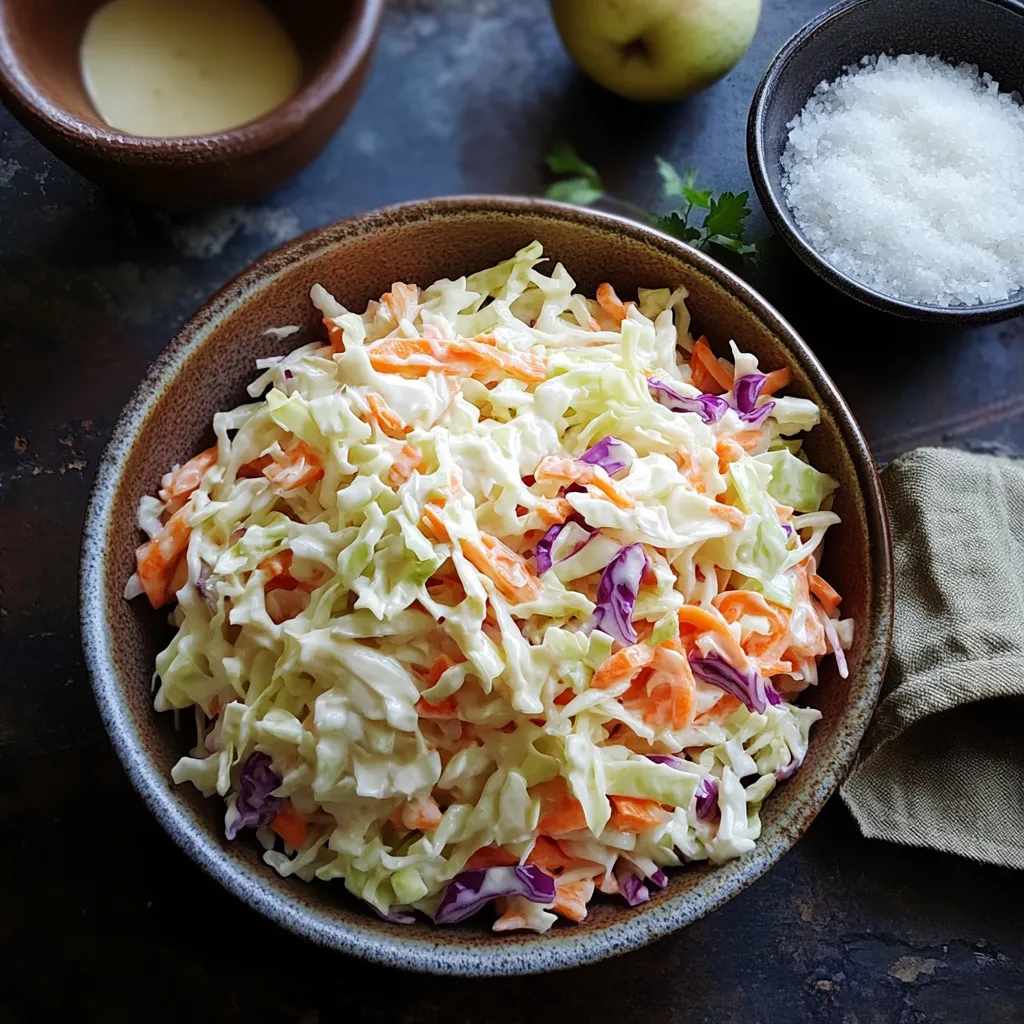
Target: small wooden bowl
x: 41, y: 84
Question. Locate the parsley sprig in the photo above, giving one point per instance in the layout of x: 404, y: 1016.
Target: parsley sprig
x: 725, y: 215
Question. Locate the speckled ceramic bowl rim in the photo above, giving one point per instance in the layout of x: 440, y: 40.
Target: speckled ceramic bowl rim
x: 782, y: 217
x: 277, y: 124
x: 476, y: 957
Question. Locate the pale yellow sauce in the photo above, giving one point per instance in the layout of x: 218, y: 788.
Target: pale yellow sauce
x: 186, y: 67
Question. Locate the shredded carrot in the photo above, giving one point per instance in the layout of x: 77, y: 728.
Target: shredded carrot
x: 635, y: 814
x: 571, y: 898
x: 511, y: 920
x: 706, y: 368
x: 303, y: 467
x: 423, y: 814
x: 748, y: 440
x: 506, y: 570
x: 402, y: 301
x: 622, y: 665
x: 291, y: 826
x: 432, y: 523
x: 555, y: 467
x: 765, y: 649
x: 775, y: 381
x: 824, y: 592
x: 691, y: 470
x: 776, y: 668
x: 277, y: 565
x: 551, y: 511
x: 407, y: 461
x: 184, y: 480
x: 390, y: 422
x: 553, y: 860
x: 612, y: 305
x: 491, y: 857
x: 664, y: 697
x: 335, y: 335
x: 560, y: 811
x: 702, y: 620
x: 416, y: 357
x: 720, y: 710
x: 444, y: 710
x: 728, y: 451
x: 157, y: 559
x: 729, y: 514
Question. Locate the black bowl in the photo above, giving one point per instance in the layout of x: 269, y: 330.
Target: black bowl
x: 989, y: 33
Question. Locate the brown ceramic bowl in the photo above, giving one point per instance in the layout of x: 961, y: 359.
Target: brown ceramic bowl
x: 206, y: 368
x: 41, y: 84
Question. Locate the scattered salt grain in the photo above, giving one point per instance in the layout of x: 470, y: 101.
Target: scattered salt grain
x: 907, y: 175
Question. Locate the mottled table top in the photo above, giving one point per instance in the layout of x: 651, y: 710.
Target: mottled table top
x: 101, y: 913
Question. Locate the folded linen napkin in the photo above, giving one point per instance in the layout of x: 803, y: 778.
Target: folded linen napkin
x: 942, y: 764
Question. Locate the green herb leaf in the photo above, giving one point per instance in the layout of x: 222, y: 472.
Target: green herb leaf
x: 673, y: 185
x: 724, y: 221
x: 736, y: 245
x: 564, y: 159
x: 580, y: 191
x: 674, y: 225
x: 727, y: 214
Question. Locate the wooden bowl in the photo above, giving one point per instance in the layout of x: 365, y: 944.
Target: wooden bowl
x: 206, y: 369
x: 989, y: 33
x: 41, y: 83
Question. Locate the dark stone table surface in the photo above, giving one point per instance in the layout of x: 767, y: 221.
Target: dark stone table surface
x: 102, y: 918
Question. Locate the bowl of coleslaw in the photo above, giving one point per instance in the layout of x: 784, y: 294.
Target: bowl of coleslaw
x: 486, y: 586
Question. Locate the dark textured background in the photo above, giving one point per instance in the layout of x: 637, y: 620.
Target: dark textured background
x: 101, y: 917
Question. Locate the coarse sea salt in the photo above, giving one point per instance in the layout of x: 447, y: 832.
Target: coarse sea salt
x: 907, y: 175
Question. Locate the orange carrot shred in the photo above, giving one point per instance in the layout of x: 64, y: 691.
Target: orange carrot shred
x: 291, y: 826
x: 407, y: 461
x: 775, y: 381
x: 612, y: 305
x: 390, y: 422
x: 635, y: 814
x: 713, y: 369
x: 506, y: 570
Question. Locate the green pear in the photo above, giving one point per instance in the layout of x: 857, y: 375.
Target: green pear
x: 656, y: 49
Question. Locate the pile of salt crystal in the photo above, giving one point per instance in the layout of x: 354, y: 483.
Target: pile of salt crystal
x: 907, y: 175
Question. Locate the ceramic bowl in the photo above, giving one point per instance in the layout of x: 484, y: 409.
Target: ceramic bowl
x: 989, y: 33
x: 40, y: 82
x: 206, y: 368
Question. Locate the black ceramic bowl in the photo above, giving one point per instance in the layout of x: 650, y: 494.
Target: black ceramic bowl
x: 989, y: 33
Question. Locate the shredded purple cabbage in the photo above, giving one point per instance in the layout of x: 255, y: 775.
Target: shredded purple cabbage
x: 670, y: 759
x: 707, y: 797
x: 610, y: 454
x: 710, y: 408
x: 254, y: 804
x: 747, y: 389
x: 659, y: 878
x: 542, y: 556
x: 790, y: 769
x: 750, y: 687
x: 544, y: 553
x: 616, y: 594
x: 468, y: 891
x: 396, y: 915
x: 632, y: 888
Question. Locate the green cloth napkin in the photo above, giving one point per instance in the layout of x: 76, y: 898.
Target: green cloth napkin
x: 942, y: 764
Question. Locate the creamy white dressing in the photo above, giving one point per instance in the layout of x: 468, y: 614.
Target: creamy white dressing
x: 166, y: 68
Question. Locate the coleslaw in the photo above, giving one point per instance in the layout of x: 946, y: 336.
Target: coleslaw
x: 501, y: 596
